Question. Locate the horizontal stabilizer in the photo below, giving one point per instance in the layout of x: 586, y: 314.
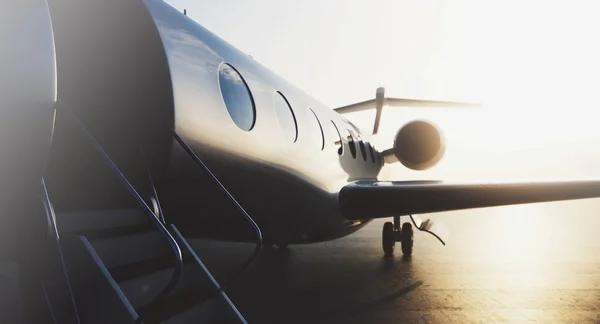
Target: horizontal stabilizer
x: 380, y: 101
x: 401, y: 102
x: 373, y: 199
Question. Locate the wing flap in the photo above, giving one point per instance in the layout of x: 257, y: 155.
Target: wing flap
x: 373, y: 199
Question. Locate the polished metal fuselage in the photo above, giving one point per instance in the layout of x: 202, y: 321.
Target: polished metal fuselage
x: 289, y: 188
x: 133, y: 70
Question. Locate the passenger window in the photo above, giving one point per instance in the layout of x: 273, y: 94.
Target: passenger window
x: 351, y: 144
x: 358, y: 139
x: 371, y: 152
x: 358, y: 142
x: 316, y: 131
x: 363, y: 149
x: 335, y: 134
x: 237, y: 97
x: 285, y: 114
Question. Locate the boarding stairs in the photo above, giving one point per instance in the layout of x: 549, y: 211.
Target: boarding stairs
x: 118, y: 265
x: 130, y: 266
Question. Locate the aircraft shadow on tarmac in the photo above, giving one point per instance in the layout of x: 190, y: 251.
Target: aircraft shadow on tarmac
x: 290, y: 286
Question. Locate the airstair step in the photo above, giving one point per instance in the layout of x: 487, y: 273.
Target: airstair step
x: 138, y: 269
x: 139, y: 262
x: 93, y: 220
x: 121, y: 250
x: 119, y: 231
x: 142, y: 290
x: 178, y: 304
x: 215, y: 310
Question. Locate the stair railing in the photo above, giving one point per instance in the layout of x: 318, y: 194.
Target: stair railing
x: 51, y: 218
x: 177, y: 255
x: 255, y: 227
x: 158, y: 220
x: 155, y: 201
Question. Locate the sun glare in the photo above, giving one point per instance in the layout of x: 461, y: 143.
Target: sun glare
x: 536, y: 81
x: 536, y: 75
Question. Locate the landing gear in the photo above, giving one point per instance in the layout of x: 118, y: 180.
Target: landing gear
x: 407, y: 239
x: 388, y: 240
x: 392, y: 233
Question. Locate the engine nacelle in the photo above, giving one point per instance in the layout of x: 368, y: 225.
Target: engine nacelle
x: 419, y: 145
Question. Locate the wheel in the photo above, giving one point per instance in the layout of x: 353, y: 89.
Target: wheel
x: 407, y: 239
x: 387, y: 238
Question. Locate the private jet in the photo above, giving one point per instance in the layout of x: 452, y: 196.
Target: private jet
x: 129, y: 130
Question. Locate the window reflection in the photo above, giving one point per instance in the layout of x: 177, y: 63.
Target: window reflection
x: 237, y: 97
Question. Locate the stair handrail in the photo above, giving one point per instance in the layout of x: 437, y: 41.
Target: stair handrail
x: 197, y: 160
x: 177, y: 273
x: 51, y: 216
x: 155, y: 200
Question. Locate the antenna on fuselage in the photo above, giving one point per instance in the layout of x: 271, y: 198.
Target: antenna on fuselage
x: 185, y: 12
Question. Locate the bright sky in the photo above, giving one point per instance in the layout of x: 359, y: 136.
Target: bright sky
x: 535, y: 65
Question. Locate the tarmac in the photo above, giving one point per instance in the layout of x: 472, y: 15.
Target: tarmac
x: 537, y: 263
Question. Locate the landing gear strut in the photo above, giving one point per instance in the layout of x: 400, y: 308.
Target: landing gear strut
x: 392, y: 233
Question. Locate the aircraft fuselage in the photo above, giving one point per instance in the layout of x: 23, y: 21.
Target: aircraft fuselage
x: 149, y: 68
x: 289, y: 187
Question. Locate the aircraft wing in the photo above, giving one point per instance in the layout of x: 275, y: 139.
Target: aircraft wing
x: 375, y: 199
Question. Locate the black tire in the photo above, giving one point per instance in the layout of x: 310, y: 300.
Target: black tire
x: 407, y: 239
x: 387, y: 238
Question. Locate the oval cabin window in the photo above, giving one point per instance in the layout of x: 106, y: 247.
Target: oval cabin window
x: 335, y: 134
x: 363, y: 149
x: 351, y: 144
x: 316, y: 131
x: 285, y: 114
x: 371, y: 152
x: 237, y: 97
